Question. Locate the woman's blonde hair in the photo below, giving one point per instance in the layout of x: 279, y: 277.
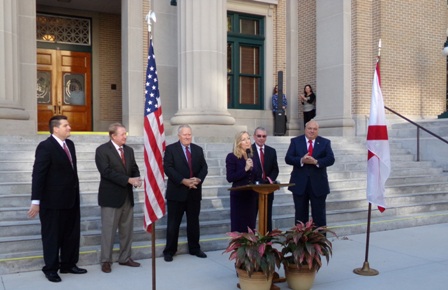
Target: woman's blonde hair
x: 237, y: 150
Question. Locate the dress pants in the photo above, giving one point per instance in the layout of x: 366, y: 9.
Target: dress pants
x: 318, y: 211
x: 176, y: 211
x: 60, y: 230
x: 112, y: 219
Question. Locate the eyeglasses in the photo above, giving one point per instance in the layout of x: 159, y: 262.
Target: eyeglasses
x: 261, y: 136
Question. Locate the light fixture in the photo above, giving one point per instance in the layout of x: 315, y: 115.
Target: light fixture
x: 49, y: 37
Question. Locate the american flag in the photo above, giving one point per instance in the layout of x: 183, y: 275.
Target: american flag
x: 154, y: 140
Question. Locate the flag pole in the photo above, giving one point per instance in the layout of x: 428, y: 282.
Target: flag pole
x: 365, y: 270
x: 153, y: 254
x: 152, y: 16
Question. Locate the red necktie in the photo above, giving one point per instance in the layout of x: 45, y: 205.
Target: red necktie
x: 262, y: 162
x: 187, y: 150
x: 67, y: 152
x: 122, y: 155
x: 310, y: 148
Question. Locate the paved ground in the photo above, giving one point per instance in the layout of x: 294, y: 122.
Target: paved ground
x: 408, y: 259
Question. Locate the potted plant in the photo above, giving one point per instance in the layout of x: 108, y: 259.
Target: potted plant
x: 303, y: 247
x: 255, y: 257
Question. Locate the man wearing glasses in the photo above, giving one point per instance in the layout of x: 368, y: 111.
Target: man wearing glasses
x: 265, y: 159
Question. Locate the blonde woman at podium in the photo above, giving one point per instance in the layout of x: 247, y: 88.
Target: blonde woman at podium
x: 240, y: 171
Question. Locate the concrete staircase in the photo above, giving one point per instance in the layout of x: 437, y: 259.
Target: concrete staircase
x: 416, y: 195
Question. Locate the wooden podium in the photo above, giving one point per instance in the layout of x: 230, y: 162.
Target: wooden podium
x: 263, y: 191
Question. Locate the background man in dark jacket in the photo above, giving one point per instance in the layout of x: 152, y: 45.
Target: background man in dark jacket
x: 270, y: 167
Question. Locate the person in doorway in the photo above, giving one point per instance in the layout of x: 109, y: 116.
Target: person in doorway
x: 185, y: 166
x: 55, y: 198
x: 265, y: 159
x: 310, y: 155
x: 308, y: 100
x: 240, y: 171
x: 119, y: 173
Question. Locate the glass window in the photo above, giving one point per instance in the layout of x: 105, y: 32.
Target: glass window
x: 245, y: 47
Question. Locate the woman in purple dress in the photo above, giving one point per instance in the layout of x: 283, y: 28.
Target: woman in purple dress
x: 241, y: 171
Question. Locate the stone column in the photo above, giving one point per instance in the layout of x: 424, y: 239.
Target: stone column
x: 333, y: 68
x: 292, y: 67
x: 202, y: 56
x: 133, y: 66
x: 17, y: 67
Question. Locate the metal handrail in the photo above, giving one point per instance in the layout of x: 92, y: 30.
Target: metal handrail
x: 418, y: 131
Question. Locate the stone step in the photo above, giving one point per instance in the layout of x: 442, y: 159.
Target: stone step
x: 283, y: 211
x: 415, y: 194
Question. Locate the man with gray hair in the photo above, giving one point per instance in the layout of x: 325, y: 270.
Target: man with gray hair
x: 185, y: 166
x: 119, y: 173
x: 265, y: 158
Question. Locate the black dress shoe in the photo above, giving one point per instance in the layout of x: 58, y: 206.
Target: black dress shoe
x: 53, y: 277
x: 168, y: 258
x: 199, y: 254
x: 73, y: 270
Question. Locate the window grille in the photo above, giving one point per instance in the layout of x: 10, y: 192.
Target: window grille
x: 63, y: 29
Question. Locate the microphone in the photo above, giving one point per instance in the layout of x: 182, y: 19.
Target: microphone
x: 249, y: 155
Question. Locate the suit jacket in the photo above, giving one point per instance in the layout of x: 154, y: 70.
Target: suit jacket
x: 318, y: 177
x: 176, y: 169
x: 54, y: 181
x: 114, y: 187
x: 270, y: 161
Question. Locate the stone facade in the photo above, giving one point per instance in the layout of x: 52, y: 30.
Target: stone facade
x: 330, y: 44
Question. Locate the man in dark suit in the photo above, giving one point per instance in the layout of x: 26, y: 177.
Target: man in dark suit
x: 119, y: 173
x: 55, y: 197
x: 185, y: 166
x: 310, y: 155
x: 266, y: 155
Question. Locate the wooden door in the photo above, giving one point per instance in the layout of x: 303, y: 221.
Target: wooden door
x: 64, y: 88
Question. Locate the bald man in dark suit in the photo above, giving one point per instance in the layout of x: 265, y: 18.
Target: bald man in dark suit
x: 55, y: 198
x: 309, y: 173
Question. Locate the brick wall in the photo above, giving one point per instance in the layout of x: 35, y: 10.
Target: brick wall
x: 110, y: 67
x: 279, y: 19
x: 412, y: 66
x: 307, y: 48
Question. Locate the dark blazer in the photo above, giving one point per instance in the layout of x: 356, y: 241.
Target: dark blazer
x: 55, y: 181
x: 176, y: 168
x: 318, y: 177
x: 270, y: 161
x: 114, y: 187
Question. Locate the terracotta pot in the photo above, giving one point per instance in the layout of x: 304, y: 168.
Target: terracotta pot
x: 257, y: 281
x: 299, y: 279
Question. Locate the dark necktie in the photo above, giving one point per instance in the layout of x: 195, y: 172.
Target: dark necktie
x: 262, y: 162
x: 187, y: 150
x: 122, y: 155
x: 310, y: 148
x: 67, y: 152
